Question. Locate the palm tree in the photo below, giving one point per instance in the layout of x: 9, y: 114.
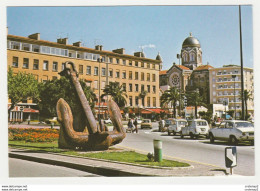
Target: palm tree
x: 171, y: 96
x: 117, y: 93
x: 247, y: 96
x: 142, y: 96
x: 90, y: 95
x: 195, y: 100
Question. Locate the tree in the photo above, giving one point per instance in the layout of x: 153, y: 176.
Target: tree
x: 194, y: 99
x: 142, y: 95
x: 21, y: 86
x: 52, y: 91
x: 247, y: 96
x: 171, y: 96
x: 117, y: 93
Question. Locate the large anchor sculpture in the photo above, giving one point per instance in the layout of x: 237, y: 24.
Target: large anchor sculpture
x: 95, y: 136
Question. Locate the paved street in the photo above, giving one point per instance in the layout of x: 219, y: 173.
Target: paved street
x: 194, y: 150
x: 23, y: 168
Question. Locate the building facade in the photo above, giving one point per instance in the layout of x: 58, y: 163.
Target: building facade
x: 44, y: 59
x: 225, y: 87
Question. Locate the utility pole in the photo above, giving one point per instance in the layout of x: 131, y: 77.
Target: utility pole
x: 242, y: 69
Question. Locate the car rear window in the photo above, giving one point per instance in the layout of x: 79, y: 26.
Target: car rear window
x: 201, y: 123
x: 182, y: 122
x: 168, y: 122
x: 146, y: 121
x: 243, y: 124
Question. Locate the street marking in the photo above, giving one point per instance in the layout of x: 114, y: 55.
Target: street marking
x: 207, y: 164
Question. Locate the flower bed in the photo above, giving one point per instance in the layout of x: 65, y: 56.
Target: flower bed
x: 33, y: 135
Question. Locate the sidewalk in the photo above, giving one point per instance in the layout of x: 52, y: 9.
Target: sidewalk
x: 113, y: 169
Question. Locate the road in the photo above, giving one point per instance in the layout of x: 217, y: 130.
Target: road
x: 201, y: 151
x: 23, y: 168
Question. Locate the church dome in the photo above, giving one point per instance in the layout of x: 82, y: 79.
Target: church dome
x: 191, y: 42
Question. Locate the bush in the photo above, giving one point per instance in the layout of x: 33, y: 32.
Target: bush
x: 33, y: 135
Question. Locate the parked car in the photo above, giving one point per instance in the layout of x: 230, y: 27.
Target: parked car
x: 146, y: 123
x: 196, y: 128
x: 139, y: 121
x: 53, y: 120
x: 233, y: 131
x: 176, y: 126
x: 107, y: 121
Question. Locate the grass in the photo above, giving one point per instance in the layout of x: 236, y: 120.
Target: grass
x: 112, y: 155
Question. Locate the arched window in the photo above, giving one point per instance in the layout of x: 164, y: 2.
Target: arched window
x: 185, y: 58
x: 192, y: 57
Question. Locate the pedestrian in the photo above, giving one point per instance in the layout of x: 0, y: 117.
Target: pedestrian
x: 163, y: 124
x: 130, y: 125
x: 135, y: 124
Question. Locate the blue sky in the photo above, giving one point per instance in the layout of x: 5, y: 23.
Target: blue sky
x: 156, y: 28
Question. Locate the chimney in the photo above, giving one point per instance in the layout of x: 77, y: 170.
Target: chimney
x: 35, y: 36
x: 78, y: 44
x: 119, y: 51
x: 139, y: 54
x: 99, y: 47
x: 62, y: 41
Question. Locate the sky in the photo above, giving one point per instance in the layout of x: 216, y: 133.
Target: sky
x: 151, y: 28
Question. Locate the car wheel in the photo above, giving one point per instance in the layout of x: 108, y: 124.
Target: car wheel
x: 211, y: 138
x: 252, y: 142
x: 173, y: 133
x: 233, y: 140
x: 169, y: 133
x: 191, y: 135
x: 181, y: 135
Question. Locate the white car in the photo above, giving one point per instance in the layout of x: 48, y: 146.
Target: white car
x: 233, y: 131
x: 196, y: 128
x: 176, y: 126
x: 107, y: 121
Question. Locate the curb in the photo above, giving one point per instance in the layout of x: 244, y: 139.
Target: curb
x: 104, y: 171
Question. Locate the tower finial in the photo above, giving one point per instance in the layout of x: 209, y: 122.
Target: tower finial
x: 190, y: 33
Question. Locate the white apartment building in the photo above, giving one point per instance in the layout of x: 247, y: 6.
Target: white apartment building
x: 225, y: 86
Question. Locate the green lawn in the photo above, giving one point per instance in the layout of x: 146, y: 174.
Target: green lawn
x: 113, y: 155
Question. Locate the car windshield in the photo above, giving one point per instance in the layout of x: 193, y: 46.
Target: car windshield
x: 181, y: 122
x: 146, y: 121
x: 168, y: 122
x: 243, y: 124
x: 201, y: 123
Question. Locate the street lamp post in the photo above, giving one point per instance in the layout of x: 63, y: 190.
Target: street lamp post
x: 179, y: 57
x: 99, y: 96
x: 233, y: 77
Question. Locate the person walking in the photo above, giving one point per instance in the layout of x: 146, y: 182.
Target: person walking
x: 135, y: 124
x: 130, y: 125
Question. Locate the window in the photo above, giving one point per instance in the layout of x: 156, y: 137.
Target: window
x: 136, y: 87
x: 154, y: 101
x: 185, y: 58
x: 117, y: 61
x: 142, y: 76
x: 142, y: 88
x: 35, y: 48
x: 103, y: 71
x: 124, y: 75
x: 124, y: 86
x: 153, y: 66
x: 55, y: 66
x: 136, y: 75
x: 26, y: 47
x: 54, y: 77
x: 89, y: 70
x: 96, y: 71
x: 117, y: 74
x: 103, y: 84
x: 154, y: 89
x: 124, y: 62
x: 130, y: 63
x: 153, y: 77
x: 130, y: 101
x: 130, y: 88
x: 62, y: 66
x: 15, y: 45
x: 142, y: 64
x: 45, y: 65
x: 44, y: 78
x: 110, y: 60
x: 35, y: 64
x: 148, y: 65
x: 148, y: 77
x: 15, y: 62
x: 192, y: 57
x: 148, y: 102
x: 136, y: 101
x: 80, y: 69
x: 95, y: 84
x: 148, y: 88
x: 110, y: 73
x: 26, y: 63
x: 136, y: 63
x: 130, y: 75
